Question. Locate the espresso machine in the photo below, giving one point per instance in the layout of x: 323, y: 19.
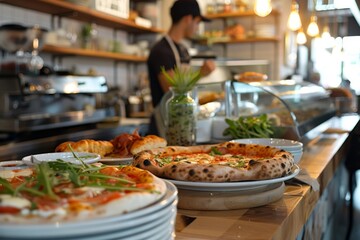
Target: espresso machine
x: 34, y: 100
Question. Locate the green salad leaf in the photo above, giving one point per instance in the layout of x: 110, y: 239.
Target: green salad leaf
x: 249, y: 127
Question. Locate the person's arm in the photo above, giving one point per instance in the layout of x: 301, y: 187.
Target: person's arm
x: 163, y: 81
x: 207, y: 67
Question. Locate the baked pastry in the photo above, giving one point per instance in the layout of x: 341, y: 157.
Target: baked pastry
x: 87, y: 145
x: 251, y: 77
x: 146, y: 143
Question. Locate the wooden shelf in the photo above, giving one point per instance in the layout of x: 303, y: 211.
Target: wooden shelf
x: 236, y: 14
x: 92, y: 53
x: 81, y: 13
x: 245, y: 40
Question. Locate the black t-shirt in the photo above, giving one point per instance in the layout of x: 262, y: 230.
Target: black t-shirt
x: 162, y: 55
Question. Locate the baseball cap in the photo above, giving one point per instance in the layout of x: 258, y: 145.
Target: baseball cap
x: 182, y: 8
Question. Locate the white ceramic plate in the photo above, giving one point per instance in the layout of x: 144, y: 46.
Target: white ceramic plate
x: 12, y: 165
x: 231, y: 186
x: 147, y: 230
x: 66, y: 229
x: 117, y: 161
x: 274, y: 142
x: 66, y: 156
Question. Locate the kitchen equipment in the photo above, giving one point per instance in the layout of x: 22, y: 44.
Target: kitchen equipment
x: 16, y: 37
x: 35, y: 102
x: 20, y: 46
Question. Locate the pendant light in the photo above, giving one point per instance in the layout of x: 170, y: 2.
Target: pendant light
x: 294, y: 21
x: 262, y: 8
x: 301, y: 37
x: 313, y: 29
x: 326, y: 32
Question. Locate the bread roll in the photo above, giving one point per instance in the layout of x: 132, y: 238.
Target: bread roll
x: 147, y: 143
x: 251, y: 77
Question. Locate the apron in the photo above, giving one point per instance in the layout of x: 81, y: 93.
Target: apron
x: 160, y: 109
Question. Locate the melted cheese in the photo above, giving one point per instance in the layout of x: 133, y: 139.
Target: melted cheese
x: 231, y: 160
x: 90, y: 192
x: 11, y: 201
x: 10, y: 174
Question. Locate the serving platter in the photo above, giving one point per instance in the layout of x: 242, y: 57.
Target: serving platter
x: 232, y: 186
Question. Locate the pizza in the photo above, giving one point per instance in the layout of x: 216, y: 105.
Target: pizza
x: 62, y: 191
x: 223, y: 162
x: 123, y: 145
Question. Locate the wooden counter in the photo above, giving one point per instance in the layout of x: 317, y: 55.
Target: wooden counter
x: 285, y: 218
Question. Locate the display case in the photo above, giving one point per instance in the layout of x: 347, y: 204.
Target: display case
x: 298, y: 109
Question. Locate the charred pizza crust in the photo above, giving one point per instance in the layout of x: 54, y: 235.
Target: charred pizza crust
x: 225, y: 162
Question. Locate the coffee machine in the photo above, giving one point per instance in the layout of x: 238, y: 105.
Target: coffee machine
x: 30, y: 103
x: 32, y: 99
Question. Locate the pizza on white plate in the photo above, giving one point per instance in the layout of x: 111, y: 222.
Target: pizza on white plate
x: 223, y: 162
x: 62, y: 191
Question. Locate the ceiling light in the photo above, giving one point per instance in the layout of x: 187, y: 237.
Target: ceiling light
x: 326, y: 32
x: 301, y: 37
x: 294, y: 21
x: 262, y: 8
x: 313, y: 29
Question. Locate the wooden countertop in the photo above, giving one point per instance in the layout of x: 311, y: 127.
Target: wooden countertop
x: 284, y: 218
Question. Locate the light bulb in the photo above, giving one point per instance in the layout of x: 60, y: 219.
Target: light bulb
x: 294, y: 21
x: 262, y: 8
x: 326, y: 33
x: 313, y: 29
x: 301, y: 37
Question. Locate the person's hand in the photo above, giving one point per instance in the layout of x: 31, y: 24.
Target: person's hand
x: 207, y: 67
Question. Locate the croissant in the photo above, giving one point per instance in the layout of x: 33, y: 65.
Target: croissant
x: 87, y: 145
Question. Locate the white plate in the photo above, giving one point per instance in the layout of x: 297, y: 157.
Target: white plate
x: 84, y: 227
x: 231, y: 186
x: 12, y: 165
x: 148, y: 230
x: 117, y: 161
x: 66, y: 156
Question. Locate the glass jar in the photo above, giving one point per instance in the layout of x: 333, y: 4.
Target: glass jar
x: 181, y: 119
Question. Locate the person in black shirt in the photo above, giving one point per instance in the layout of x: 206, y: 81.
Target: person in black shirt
x: 169, y: 52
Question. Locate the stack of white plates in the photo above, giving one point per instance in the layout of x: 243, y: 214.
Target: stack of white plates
x: 152, y: 222
x: 294, y: 147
